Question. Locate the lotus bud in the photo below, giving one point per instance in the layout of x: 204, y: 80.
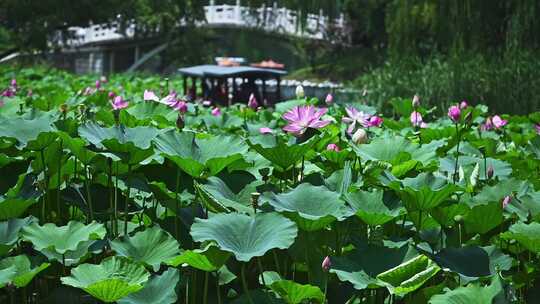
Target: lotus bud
x: 506, y: 200
x: 216, y: 111
x: 299, y: 92
x: 98, y: 84
x: 326, y: 264
x: 111, y: 95
x: 14, y: 82
x: 333, y: 147
x: 255, y: 200
x: 490, y: 172
x: 329, y: 99
x: 458, y: 218
x: 415, y: 101
x: 463, y: 105
x: 252, y: 103
x: 360, y: 136
x: 454, y: 113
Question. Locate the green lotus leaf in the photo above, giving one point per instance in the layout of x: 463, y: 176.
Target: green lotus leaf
x: 151, y: 246
x: 194, y: 155
x: 527, y: 235
x: 282, y: 154
x: 372, y: 208
x: 424, y: 191
x: 246, y: 236
x: 218, y: 197
x: 472, y: 262
x: 71, y: 257
x: 148, y: 110
x: 64, y: 238
x: 9, y: 232
x: 17, y: 199
x: 389, y: 148
x: 109, y: 281
x: 208, y: 259
x: 409, y: 276
x: 340, y: 180
x: 21, y: 270
x: 497, y: 192
x: 25, y: 130
x: 362, y: 265
x: 140, y: 137
x: 160, y: 289
x: 290, y: 291
x: 483, y: 218
x: 469, y: 294
x: 311, y: 207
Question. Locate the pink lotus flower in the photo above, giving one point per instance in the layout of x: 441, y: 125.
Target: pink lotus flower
x: 8, y: 93
x: 326, y: 264
x: 301, y: 118
x: 252, y: 103
x: 89, y: 91
x: 537, y: 127
x: 498, y: 122
x: 265, y: 130
x: 454, y: 113
x: 463, y: 105
x: 506, y: 200
x: 13, y: 83
x: 150, y: 95
x: 417, y: 121
x: 487, y: 125
x: 181, y: 106
x: 354, y: 117
x: 333, y: 147
x: 375, y: 121
x: 216, y: 111
x: 119, y: 103
x: 98, y: 84
x: 329, y: 99
x: 111, y: 95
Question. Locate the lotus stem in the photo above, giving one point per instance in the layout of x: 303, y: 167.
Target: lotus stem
x: 205, y: 296
x: 218, y: 290
x: 244, y: 284
x: 459, y: 232
x: 261, y: 270
x: 177, y: 209
x: 455, y: 177
x: 194, y: 287
x: 116, y: 202
x: 276, y: 260
x: 127, y: 201
x: 46, y: 186
x: 88, y: 195
x: 302, y: 169
x: 59, y: 182
x: 325, y: 288
x: 187, y: 290
x: 111, y: 200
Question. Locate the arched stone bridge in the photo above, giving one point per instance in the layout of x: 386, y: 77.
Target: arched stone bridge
x: 271, y: 19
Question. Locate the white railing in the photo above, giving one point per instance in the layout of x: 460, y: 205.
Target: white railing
x: 271, y: 19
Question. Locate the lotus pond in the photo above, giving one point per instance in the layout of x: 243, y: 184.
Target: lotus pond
x: 120, y: 191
